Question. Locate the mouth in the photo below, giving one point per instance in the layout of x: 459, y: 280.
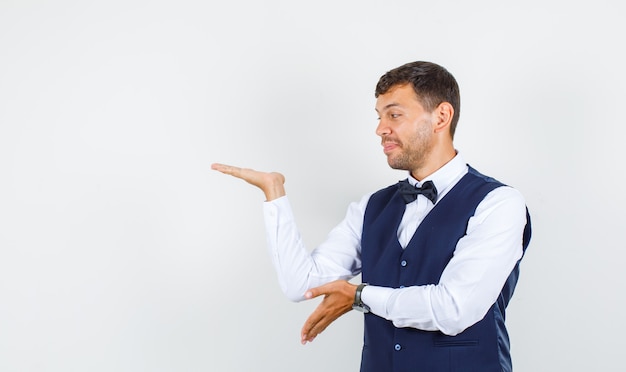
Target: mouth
x: 389, y: 146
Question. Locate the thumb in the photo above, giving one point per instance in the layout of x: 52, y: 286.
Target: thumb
x: 316, y: 292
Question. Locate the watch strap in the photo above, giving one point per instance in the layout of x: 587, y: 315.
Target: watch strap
x: 358, y: 302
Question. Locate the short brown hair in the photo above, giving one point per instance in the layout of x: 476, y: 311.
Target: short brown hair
x: 432, y: 84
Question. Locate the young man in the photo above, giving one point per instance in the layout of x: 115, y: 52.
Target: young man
x: 439, y: 251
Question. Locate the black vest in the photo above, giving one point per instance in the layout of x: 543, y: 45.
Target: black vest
x: 483, y: 347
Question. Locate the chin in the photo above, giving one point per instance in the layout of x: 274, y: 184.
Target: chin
x: 397, y: 162
x: 393, y: 165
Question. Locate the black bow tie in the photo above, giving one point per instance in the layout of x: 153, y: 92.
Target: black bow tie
x: 410, y: 192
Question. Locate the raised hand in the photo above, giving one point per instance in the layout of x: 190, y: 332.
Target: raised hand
x: 271, y: 183
x: 338, y: 299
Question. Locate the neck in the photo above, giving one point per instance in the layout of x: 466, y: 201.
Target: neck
x: 436, y: 160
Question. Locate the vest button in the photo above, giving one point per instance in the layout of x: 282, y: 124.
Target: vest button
x: 397, y: 347
x: 403, y: 263
x: 401, y: 286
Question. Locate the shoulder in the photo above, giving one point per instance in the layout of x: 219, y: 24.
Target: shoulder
x: 503, y: 201
x: 500, y: 198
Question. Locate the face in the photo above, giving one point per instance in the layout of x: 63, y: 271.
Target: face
x: 405, y: 128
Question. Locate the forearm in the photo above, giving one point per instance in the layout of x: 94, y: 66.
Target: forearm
x: 429, y: 308
x: 289, y: 256
x: 297, y: 269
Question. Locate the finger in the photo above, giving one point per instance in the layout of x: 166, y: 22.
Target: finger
x: 319, y: 320
x: 308, y: 332
x: 220, y: 167
x: 309, y: 324
x: 311, y: 330
x: 227, y: 169
x: 318, y: 291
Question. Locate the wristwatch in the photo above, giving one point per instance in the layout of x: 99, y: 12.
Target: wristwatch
x: 358, y: 303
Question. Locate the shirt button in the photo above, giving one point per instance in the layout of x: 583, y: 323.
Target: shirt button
x: 397, y: 347
x: 403, y: 263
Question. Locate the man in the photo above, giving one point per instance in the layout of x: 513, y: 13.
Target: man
x: 438, y: 252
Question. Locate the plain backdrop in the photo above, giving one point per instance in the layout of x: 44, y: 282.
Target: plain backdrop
x: 120, y: 250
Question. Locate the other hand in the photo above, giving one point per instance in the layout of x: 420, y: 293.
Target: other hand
x: 338, y: 299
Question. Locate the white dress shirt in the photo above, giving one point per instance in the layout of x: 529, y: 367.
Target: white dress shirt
x: 469, y: 285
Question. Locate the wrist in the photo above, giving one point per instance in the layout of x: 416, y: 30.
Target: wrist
x: 358, y: 302
x: 275, y: 188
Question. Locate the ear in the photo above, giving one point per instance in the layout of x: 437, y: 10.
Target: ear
x: 443, y: 117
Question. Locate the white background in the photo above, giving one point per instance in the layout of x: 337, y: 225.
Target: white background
x: 120, y: 250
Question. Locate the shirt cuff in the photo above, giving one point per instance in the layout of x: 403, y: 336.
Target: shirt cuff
x: 376, y: 298
x: 278, y: 211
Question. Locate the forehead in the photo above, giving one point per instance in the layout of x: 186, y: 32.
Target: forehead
x: 403, y: 96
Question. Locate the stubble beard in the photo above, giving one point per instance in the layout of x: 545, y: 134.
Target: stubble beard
x: 414, y: 152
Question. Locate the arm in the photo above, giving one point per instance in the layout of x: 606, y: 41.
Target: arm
x: 298, y: 270
x: 472, y: 280
x: 337, y: 258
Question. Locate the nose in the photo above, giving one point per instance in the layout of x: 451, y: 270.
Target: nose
x: 382, y: 129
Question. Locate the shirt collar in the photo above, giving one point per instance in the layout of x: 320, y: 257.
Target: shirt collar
x: 446, y: 176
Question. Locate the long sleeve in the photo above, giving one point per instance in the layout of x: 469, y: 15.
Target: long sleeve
x: 338, y: 257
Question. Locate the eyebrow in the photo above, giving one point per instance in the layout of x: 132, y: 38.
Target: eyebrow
x: 388, y: 106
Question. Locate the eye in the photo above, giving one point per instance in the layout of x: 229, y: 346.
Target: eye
x: 394, y: 116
